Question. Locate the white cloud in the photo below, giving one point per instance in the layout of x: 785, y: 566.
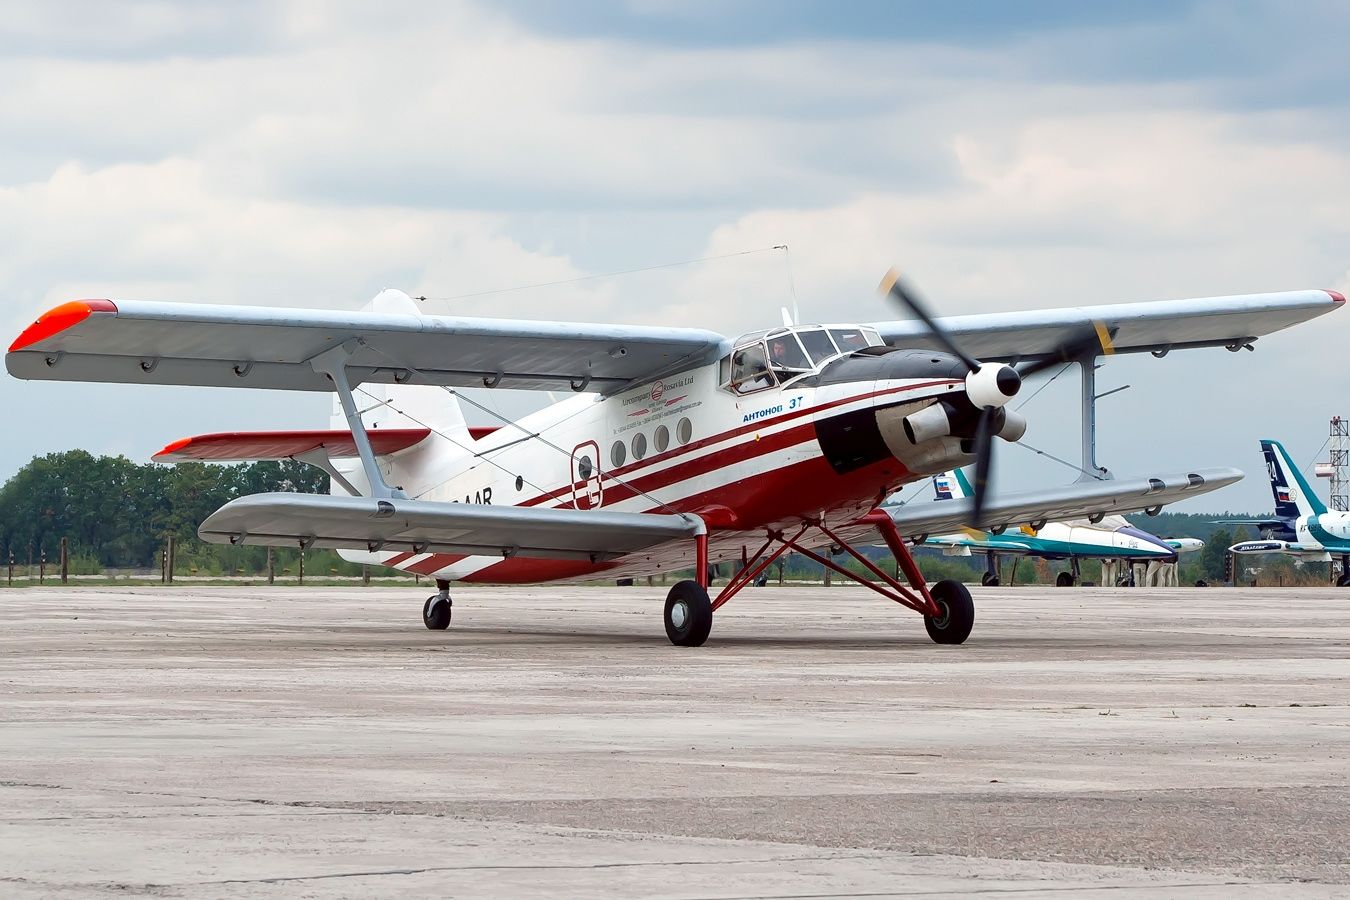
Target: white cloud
x: 311, y: 153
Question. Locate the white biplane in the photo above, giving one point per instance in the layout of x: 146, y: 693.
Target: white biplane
x: 680, y: 448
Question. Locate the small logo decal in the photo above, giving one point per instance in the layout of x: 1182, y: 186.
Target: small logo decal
x: 657, y: 390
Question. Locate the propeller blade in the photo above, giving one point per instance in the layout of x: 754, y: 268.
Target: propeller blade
x: 984, y: 463
x: 892, y: 284
x: 1093, y: 338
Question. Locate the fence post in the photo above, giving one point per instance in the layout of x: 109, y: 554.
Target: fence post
x: 65, y: 560
x: 11, y: 568
x: 172, y: 558
x: 271, y: 565
x: 365, y: 575
x: 163, y: 564
x: 302, y: 565
x: 42, y: 566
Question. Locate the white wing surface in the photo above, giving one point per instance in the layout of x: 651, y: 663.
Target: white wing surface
x: 1157, y: 325
x: 422, y: 526
x: 1090, y: 498
x: 143, y: 342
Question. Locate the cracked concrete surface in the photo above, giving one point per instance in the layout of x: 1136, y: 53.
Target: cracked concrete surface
x: 236, y: 742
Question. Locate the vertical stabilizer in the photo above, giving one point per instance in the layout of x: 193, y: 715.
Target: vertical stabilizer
x: 406, y: 406
x: 951, y: 485
x: 1293, y: 496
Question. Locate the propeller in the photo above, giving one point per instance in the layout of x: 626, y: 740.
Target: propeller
x: 991, y: 385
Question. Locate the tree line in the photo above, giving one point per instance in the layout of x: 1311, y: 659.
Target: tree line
x: 117, y: 514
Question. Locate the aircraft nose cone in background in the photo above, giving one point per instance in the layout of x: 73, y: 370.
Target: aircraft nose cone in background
x: 1149, y: 546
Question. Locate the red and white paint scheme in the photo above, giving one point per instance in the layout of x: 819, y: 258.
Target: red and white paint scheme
x: 679, y: 448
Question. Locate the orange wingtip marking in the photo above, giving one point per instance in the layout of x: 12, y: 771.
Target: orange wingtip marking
x: 173, y: 448
x: 58, y: 319
x: 1337, y: 296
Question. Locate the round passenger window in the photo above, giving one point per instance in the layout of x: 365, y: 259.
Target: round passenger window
x: 662, y: 438
x: 585, y: 468
x: 617, y: 454
x: 639, y: 445
x: 684, y: 431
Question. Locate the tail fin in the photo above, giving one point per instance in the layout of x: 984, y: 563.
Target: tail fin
x: 1293, y: 496
x: 953, y: 484
x: 405, y: 406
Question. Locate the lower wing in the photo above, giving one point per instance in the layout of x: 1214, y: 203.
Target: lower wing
x: 1085, y: 499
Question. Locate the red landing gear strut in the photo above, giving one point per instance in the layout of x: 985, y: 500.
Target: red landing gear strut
x: 947, y: 608
x: 915, y: 595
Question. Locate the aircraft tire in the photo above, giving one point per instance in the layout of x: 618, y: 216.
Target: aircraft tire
x: 688, y: 614
x: 1064, y: 579
x: 958, y: 613
x: 436, y: 612
x: 989, y: 579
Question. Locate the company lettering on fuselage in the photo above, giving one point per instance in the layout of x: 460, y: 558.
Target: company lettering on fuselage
x: 483, y: 497
x: 762, y: 413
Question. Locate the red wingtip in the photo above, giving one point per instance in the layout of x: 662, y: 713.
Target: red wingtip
x: 1337, y: 296
x: 59, y: 319
x: 173, y: 448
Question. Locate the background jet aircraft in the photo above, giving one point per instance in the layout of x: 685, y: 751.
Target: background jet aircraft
x: 1302, y: 525
x: 1111, y: 537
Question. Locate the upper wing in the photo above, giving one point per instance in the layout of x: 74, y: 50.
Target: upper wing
x: 423, y: 526
x: 146, y: 342
x: 1157, y: 325
x: 1072, y: 501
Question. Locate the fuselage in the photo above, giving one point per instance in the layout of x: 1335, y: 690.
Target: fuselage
x: 1327, y: 532
x: 825, y: 442
x: 1062, y: 540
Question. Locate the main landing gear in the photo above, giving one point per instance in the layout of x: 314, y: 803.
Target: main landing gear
x: 947, y: 607
x: 436, y: 611
x: 688, y: 614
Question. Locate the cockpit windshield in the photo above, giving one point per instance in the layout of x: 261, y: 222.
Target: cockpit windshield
x: 765, y: 359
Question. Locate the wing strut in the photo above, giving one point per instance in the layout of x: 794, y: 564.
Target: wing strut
x: 333, y: 363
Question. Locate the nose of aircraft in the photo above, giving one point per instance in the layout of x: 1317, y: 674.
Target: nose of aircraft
x: 1150, y: 546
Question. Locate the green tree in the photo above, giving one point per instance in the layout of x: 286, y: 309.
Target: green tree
x: 1212, y: 557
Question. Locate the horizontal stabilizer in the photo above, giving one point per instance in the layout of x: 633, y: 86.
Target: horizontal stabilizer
x: 1074, y: 501
x: 255, y: 445
x: 424, y: 526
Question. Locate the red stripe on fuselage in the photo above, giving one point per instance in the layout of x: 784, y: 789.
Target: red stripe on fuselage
x: 625, y: 471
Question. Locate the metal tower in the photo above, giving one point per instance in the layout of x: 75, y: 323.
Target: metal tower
x: 1340, y: 464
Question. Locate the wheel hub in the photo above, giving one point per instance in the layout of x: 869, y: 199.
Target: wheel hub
x: 679, y: 614
x: 944, y: 614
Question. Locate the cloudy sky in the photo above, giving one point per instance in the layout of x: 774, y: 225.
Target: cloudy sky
x: 1009, y: 156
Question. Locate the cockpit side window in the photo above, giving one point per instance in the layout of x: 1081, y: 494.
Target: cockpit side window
x: 849, y: 339
x: 786, y: 356
x: 750, y: 369
x: 818, y: 344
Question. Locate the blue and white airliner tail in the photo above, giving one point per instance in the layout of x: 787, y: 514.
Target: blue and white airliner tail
x: 1302, y: 525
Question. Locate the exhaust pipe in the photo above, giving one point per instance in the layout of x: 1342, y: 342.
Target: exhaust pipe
x: 1013, y: 427
x: 928, y: 423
